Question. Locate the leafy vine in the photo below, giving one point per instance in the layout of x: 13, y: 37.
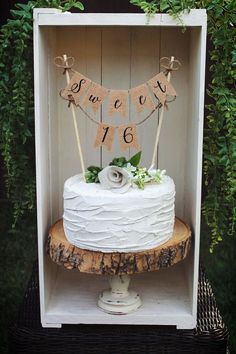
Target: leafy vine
x: 17, y: 104
x: 16, y: 107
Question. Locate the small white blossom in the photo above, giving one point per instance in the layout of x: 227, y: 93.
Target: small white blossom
x: 129, y: 168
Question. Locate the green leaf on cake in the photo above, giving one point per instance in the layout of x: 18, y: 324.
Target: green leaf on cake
x: 91, y: 174
x: 135, y: 159
x: 119, y: 161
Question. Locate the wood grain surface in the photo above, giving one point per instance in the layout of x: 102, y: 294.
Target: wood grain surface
x: 64, y: 253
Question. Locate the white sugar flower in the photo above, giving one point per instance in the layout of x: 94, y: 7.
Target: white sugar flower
x: 115, y: 178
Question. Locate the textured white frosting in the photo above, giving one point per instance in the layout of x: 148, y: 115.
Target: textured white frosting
x: 100, y: 220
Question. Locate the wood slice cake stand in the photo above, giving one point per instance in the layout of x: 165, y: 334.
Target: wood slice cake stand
x: 119, y: 266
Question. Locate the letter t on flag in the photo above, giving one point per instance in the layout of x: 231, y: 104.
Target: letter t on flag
x: 161, y: 87
x: 105, y: 136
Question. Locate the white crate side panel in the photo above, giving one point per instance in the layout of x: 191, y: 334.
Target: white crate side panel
x: 193, y: 184
x: 47, y: 269
x: 54, y: 180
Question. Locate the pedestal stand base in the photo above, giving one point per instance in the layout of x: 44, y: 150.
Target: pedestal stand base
x: 119, y: 301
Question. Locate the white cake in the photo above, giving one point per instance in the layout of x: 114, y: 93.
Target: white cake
x: 101, y: 220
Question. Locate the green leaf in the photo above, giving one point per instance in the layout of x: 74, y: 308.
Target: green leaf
x: 118, y: 161
x: 78, y: 5
x: 135, y: 159
x: 94, y: 169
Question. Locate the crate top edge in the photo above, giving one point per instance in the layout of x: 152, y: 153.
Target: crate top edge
x: 54, y: 17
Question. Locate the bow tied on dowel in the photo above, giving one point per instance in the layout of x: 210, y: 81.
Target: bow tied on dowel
x: 84, y: 93
x: 66, y: 64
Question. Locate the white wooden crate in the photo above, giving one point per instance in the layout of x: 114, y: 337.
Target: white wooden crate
x: 119, y: 51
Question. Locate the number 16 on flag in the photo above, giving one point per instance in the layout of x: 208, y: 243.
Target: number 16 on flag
x: 127, y: 136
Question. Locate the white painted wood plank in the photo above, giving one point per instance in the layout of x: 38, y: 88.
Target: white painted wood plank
x: 195, y: 139
x: 46, y: 271
x: 145, y: 44
x: 172, y: 147
x: 164, y: 295
x: 93, y: 71
x: 53, y: 127
x: 194, y: 18
x: 115, y: 75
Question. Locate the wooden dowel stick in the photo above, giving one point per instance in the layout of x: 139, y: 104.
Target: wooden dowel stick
x: 75, y: 123
x: 161, y: 119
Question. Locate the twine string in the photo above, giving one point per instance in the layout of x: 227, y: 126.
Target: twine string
x: 71, y: 101
x: 168, y: 64
x: 60, y: 62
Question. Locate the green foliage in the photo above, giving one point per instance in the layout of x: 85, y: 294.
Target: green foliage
x: 135, y: 159
x: 219, y: 164
x: 119, y: 161
x: 219, y: 169
x: 149, y: 7
x: 173, y: 8
x: 138, y: 176
x: 122, y: 162
x: 17, y: 104
x: 221, y: 271
x: 91, y: 174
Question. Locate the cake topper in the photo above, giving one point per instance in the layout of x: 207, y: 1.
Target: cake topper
x: 82, y: 92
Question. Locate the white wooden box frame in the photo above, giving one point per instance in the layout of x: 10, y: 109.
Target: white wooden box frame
x: 100, y: 43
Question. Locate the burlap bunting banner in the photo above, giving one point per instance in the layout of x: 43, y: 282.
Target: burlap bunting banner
x: 161, y: 87
x: 94, y: 96
x: 83, y: 92
x: 141, y: 98
x: 76, y: 88
x: 118, y: 102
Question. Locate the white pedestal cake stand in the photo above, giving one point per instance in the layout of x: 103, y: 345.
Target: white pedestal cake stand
x: 118, y: 300
x: 119, y: 266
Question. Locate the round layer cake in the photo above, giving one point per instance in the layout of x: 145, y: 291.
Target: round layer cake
x: 101, y: 220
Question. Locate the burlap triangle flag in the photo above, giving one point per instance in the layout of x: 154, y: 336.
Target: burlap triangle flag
x: 141, y: 98
x: 128, y: 136
x: 105, y: 136
x: 118, y: 102
x: 76, y: 88
x: 94, y: 96
x: 161, y: 87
